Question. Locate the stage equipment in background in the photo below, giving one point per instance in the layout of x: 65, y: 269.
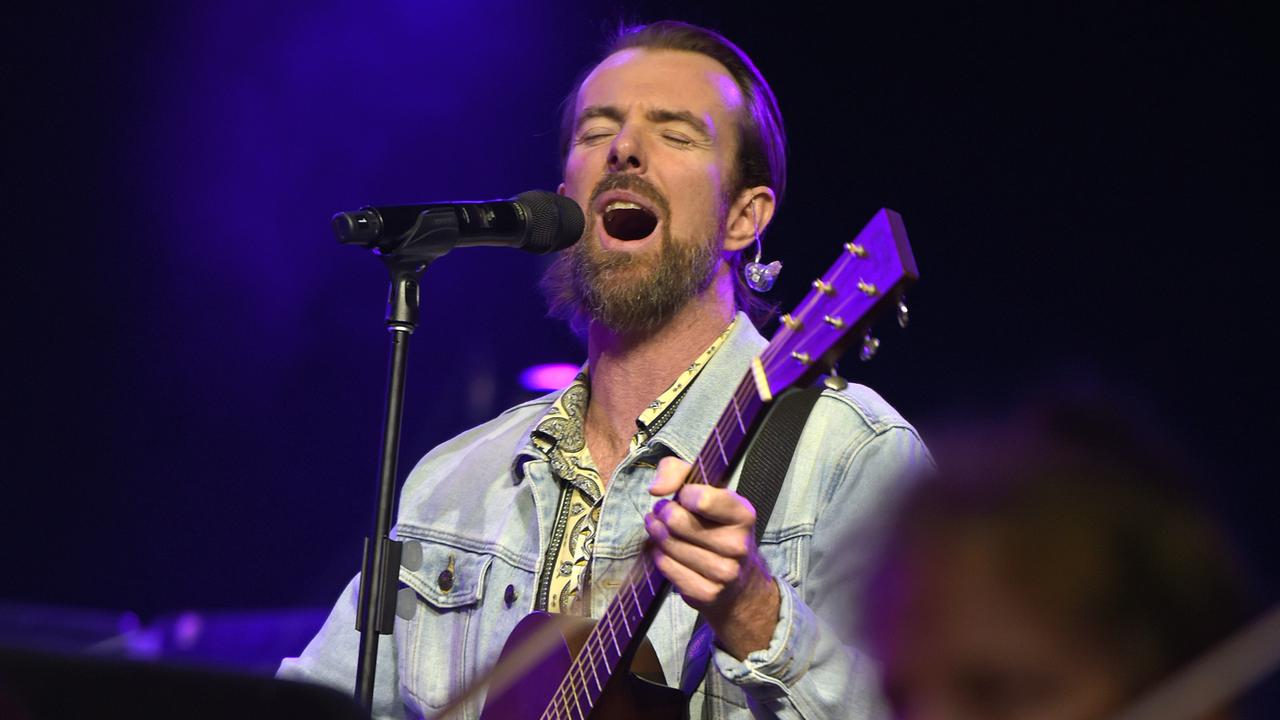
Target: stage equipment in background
x: 408, y: 238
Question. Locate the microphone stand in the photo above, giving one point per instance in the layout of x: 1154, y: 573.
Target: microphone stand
x: 379, y: 571
x: 432, y: 233
x: 380, y: 566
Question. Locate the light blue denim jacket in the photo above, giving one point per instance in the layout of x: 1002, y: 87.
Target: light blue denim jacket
x: 485, y: 501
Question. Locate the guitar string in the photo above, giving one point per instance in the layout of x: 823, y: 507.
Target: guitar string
x: 595, y: 649
x: 595, y: 652
x: 576, y: 682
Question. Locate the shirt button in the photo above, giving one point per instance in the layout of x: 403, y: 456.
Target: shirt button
x: 510, y: 595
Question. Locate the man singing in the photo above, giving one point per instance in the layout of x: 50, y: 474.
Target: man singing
x: 673, y: 146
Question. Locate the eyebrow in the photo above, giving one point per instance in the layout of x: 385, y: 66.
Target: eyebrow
x: 656, y: 115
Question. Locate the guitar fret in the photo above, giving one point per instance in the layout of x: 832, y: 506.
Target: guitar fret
x: 636, y: 596
x: 581, y: 680
x: 614, y: 638
x: 568, y: 710
x: 566, y: 698
x: 737, y: 413
x: 558, y: 709
x: 595, y: 678
x: 630, y: 605
x: 715, y: 433
x: 698, y: 459
x: 577, y: 706
x: 625, y: 624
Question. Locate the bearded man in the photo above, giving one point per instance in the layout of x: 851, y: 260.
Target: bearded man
x: 673, y: 145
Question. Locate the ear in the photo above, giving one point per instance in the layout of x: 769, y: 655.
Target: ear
x: 749, y: 214
x: 560, y: 189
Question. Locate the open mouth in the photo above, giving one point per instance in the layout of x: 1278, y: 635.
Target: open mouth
x: 628, y: 221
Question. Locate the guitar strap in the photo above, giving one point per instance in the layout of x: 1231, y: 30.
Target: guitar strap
x: 763, y: 470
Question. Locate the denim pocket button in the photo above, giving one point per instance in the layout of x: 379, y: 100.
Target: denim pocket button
x: 445, y: 579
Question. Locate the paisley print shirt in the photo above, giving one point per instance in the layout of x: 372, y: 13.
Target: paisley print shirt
x: 565, y: 576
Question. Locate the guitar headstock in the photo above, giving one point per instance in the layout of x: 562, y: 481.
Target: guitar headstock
x: 873, y: 272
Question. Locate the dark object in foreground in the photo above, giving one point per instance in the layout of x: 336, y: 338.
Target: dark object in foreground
x: 40, y: 686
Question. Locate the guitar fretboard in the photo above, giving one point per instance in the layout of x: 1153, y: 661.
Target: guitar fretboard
x: 644, y: 587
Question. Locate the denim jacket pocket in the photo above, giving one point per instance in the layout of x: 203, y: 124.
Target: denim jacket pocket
x: 449, y: 587
x: 786, y: 552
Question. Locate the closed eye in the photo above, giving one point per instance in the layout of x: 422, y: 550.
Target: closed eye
x: 592, y: 137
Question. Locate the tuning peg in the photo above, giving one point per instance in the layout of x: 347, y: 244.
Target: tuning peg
x: 870, y: 345
x: 904, y: 315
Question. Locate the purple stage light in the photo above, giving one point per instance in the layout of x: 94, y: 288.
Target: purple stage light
x: 551, y: 376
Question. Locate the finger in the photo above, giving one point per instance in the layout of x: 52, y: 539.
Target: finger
x: 717, y: 504
x: 727, y: 540
x: 712, y: 566
x: 695, y: 589
x: 671, y: 474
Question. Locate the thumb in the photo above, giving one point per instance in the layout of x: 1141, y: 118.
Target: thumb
x: 671, y: 474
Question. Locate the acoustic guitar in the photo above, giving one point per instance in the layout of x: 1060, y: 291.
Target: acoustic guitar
x: 580, y: 677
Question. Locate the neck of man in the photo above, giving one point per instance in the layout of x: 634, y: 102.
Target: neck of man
x: 630, y: 370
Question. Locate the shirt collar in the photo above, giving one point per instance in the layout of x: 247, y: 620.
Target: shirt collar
x: 699, y: 406
x: 690, y: 425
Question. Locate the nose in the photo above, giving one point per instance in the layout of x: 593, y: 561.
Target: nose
x: 626, y: 153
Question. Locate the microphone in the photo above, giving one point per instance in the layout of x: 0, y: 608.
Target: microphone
x: 536, y: 221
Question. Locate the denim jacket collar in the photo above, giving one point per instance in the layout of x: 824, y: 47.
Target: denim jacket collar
x: 690, y: 426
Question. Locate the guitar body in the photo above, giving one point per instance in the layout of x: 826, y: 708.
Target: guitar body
x: 640, y: 693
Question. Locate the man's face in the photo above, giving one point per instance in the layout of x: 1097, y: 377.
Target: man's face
x: 650, y: 160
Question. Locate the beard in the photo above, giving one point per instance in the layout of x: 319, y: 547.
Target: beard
x: 630, y: 292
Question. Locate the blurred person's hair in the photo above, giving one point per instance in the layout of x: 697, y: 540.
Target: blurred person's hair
x: 1090, y: 522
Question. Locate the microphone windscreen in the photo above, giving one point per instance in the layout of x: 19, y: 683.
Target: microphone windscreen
x: 555, y: 221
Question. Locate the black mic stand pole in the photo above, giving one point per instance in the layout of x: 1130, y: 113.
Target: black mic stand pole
x: 379, y: 573
x: 435, y: 231
x: 406, y: 258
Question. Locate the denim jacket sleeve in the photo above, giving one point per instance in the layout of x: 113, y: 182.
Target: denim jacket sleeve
x: 809, y: 670
x: 330, y: 658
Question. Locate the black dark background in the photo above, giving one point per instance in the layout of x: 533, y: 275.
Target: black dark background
x: 193, y: 368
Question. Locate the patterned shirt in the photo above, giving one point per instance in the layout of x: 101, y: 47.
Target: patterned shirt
x: 561, y: 435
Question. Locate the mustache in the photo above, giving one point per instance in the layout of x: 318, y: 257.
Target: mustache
x: 630, y: 183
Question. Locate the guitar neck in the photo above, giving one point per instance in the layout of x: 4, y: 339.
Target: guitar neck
x: 629, y: 614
